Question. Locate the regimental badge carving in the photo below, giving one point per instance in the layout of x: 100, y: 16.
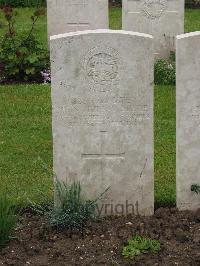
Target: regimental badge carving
x: 101, y: 65
x: 154, y: 9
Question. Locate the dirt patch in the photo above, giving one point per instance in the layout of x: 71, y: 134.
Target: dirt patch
x: 101, y: 242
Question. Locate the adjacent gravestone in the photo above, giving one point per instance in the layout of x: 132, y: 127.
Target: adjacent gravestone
x: 102, y: 94
x: 164, y: 19
x: 188, y: 120
x: 76, y: 15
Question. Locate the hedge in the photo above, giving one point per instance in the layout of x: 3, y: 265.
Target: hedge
x: 29, y: 3
x: 188, y: 3
x: 23, y: 3
x: 192, y: 3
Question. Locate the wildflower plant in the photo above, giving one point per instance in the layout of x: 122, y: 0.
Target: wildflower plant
x: 22, y: 57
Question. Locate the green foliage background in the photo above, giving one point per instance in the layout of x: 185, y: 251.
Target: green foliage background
x: 33, y: 3
x: 23, y: 3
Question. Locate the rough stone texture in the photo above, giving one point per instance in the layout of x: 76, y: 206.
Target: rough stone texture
x: 188, y: 120
x: 164, y: 19
x: 76, y: 15
x: 102, y: 93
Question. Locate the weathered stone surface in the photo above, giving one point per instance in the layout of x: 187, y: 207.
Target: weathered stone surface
x: 164, y: 19
x: 102, y: 94
x: 188, y: 120
x: 76, y: 15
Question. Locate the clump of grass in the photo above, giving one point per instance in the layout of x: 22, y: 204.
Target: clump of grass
x: 8, y: 219
x: 72, y: 210
x: 139, y: 245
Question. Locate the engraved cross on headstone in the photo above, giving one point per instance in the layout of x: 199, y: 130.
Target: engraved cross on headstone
x: 102, y: 156
x: 79, y: 4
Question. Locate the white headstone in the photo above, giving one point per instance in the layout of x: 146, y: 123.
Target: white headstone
x: 102, y: 94
x: 188, y: 120
x: 76, y: 15
x: 164, y: 19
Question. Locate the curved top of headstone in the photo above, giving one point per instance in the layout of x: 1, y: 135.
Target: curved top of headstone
x: 187, y: 35
x: 79, y: 33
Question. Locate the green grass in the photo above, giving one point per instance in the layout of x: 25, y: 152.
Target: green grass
x: 8, y: 219
x: 25, y: 135
x: 25, y: 131
x: 165, y: 145
x: 115, y: 15
x: 192, y: 20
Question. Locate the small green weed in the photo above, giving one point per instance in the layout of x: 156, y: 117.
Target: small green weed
x: 139, y: 245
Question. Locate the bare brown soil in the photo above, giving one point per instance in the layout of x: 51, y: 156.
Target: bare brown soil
x: 101, y: 242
